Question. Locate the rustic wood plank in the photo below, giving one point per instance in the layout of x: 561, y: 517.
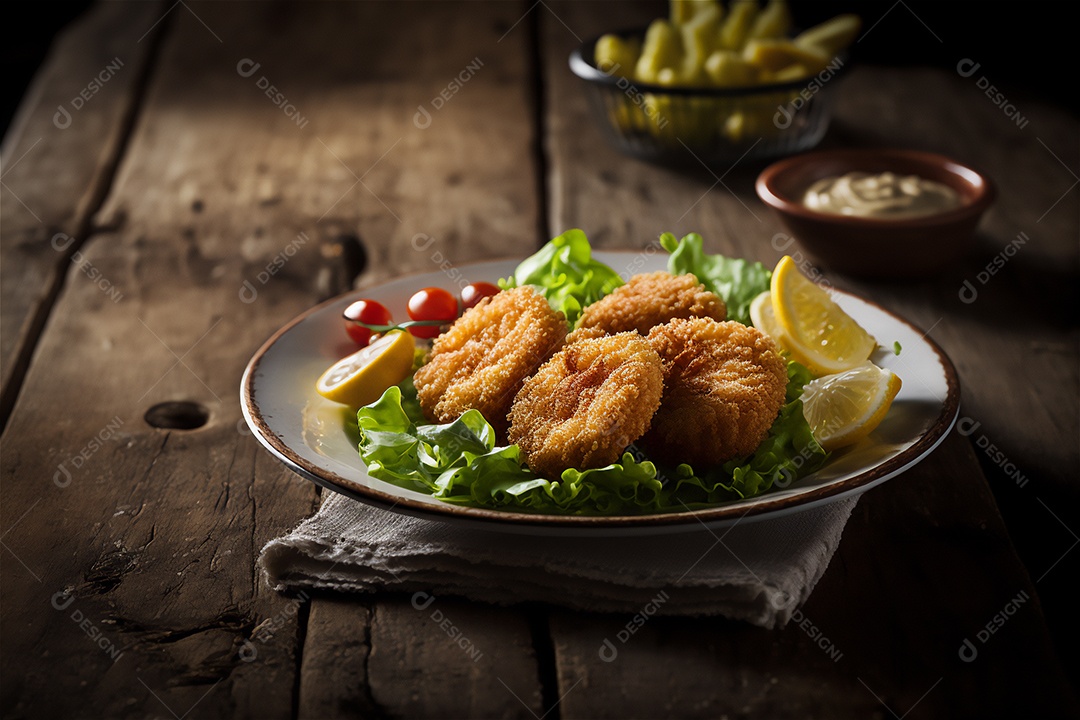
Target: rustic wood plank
x: 1017, y: 345
x: 220, y: 190
x: 339, y: 662
x: 166, y: 575
x: 457, y: 201
x: 594, y: 188
x: 206, y: 199
x: 156, y: 532
x: 58, y: 158
x: 489, y: 671
x: 870, y: 628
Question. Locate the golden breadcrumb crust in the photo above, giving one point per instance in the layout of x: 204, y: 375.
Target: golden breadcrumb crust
x: 648, y: 300
x: 724, y: 385
x: 586, y: 404
x: 482, y: 360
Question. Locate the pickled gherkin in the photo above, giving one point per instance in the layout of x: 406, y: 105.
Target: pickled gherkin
x: 753, y: 42
x: 772, y: 22
x: 617, y: 56
x: 710, y: 44
x: 662, y: 49
x: 736, y: 28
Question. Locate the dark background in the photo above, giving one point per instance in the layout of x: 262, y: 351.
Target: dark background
x: 1026, y: 47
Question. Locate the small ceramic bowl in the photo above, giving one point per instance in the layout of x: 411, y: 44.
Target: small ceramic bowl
x: 878, y: 247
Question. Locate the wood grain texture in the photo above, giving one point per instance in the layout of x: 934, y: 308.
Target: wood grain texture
x: 228, y: 217
x: 452, y: 658
x: 343, y: 663
x: 58, y: 158
x: 382, y: 659
x: 464, y: 188
x: 923, y: 565
x: 1017, y: 346
x: 625, y: 203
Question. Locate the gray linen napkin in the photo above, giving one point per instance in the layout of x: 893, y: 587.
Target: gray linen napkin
x: 753, y: 571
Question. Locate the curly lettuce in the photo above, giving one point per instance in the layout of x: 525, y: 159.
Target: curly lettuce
x: 459, y: 462
x: 736, y: 280
x: 565, y: 273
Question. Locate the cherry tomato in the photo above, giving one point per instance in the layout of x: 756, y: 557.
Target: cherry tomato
x: 473, y: 294
x: 367, y: 311
x: 432, y: 303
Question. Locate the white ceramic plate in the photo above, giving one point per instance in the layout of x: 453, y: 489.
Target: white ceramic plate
x: 307, y: 432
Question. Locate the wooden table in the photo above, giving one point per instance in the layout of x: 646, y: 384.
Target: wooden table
x: 175, y: 173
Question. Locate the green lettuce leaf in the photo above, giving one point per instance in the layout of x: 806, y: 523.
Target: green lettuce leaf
x: 736, y: 280
x: 459, y: 463
x: 564, y: 272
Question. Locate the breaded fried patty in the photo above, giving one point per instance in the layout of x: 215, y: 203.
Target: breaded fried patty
x: 586, y: 404
x: 482, y: 360
x: 724, y: 385
x: 648, y: 300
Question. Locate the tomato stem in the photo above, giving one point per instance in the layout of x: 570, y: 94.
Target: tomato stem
x: 400, y: 326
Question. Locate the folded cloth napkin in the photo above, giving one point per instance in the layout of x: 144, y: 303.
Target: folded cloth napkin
x: 753, y: 571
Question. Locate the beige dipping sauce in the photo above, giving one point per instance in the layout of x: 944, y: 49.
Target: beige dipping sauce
x: 885, y: 195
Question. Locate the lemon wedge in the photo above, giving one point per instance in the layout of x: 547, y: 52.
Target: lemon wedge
x: 817, y: 332
x: 844, y: 408
x: 361, y: 378
x: 764, y: 319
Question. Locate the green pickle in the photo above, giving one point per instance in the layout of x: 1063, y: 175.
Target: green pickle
x: 703, y: 44
x: 617, y: 56
x: 662, y: 49
x: 736, y: 28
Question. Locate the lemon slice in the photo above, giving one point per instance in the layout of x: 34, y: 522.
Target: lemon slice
x: 361, y: 378
x: 817, y: 332
x: 764, y: 319
x: 844, y: 408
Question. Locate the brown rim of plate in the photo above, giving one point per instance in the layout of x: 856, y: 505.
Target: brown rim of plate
x: 768, y: 192
x: 439, y: 511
